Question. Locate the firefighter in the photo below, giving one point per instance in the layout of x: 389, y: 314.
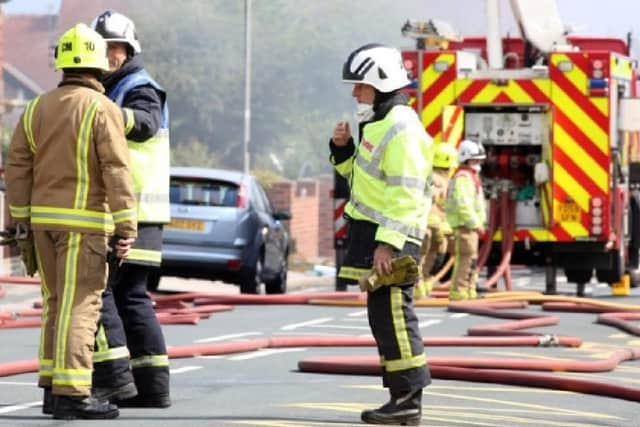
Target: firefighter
x: 466, y: 214
x: 128, y: 318
x: 389, y: 172
x: 434, y: 244
x: 69, y: 182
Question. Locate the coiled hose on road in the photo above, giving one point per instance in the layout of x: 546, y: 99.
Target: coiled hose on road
x: 466, y: 369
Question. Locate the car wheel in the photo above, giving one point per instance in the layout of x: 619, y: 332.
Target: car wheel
x: 251, y: 279
x: 279, y: 284
x: 153, y: 280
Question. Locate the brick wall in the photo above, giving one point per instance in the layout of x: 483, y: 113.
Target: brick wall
x: 311, y: 208
x: 325, y: 217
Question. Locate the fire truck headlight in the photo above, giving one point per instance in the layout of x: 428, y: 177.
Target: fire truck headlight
x: 596, y: 229
x: 441, y: 66
x: 565, y: 66
x: 596, y: 221
x: 596, y: 212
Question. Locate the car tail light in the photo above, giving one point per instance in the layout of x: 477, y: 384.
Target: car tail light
x: 234, y: 264
x: 241, y: 202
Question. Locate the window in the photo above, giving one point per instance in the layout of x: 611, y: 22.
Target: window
x: 202, y: 192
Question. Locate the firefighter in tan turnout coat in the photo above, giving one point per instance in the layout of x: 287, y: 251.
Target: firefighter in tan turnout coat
x: 68, y: 181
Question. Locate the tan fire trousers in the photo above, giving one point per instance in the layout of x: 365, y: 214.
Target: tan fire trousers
x: 436, y: 247
x: 73, y: 273
x: 465, y: 271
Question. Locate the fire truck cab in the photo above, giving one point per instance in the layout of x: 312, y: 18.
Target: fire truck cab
x: 556, y: 117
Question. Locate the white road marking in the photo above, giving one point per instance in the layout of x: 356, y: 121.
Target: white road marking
x: 14, y: 408
x: 31, y: 384
x: 184, y: 369
x: 210, y: 356
x: 226, y: 337
x: 522, y: 282
x: 307, y: 323
x: 357, y: 313
x: 459, y: 315
x: 428, y: 323
x: 431, y: 314
x: 265, y: 352
x: 366, y: 328
x: 313, y: 334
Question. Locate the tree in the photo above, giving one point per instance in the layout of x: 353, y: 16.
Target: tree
x: 196, y: 50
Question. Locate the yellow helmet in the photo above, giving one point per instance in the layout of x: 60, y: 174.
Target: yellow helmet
x: 81, y: 47
x: 445, y: 156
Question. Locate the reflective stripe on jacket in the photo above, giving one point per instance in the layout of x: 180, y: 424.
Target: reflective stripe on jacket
x: 465, y: 200
x: 67, y: 168
x: 390, y: 174
x: 150, y: 158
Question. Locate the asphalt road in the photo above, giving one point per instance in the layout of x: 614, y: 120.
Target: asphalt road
x: 265, y: 388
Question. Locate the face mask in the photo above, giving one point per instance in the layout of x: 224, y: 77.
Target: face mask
x: 476, y: 167
x: 364, y: 112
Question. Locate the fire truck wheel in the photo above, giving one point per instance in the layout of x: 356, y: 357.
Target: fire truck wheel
x: 579, y: 276
x: 615, y: 273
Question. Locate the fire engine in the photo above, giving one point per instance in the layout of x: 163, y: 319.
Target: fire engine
x: 559, y: 121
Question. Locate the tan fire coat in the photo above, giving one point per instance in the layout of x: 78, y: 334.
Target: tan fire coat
x: 68, y: 163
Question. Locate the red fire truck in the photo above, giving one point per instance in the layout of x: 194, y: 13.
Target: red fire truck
x: 555, y: 115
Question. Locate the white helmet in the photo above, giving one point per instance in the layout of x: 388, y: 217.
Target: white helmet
x: 377, y: 65
x: 115, y: 27
x: 470, y: 150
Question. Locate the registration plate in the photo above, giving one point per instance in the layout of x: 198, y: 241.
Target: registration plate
x: 568, y: 212
x: 186, y: 224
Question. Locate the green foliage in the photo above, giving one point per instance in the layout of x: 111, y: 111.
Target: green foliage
x: 266, y: 177
x: 195, y: 49
x: 194, y: 153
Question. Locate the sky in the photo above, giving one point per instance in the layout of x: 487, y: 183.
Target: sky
x: 586, y: 17
x: 35, y: 7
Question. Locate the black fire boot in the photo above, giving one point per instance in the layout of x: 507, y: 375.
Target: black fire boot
x: 146, y: 401
x: 122, y: 392
x: 404, y: 411
x: 47, y: 401
x: 88, y: 408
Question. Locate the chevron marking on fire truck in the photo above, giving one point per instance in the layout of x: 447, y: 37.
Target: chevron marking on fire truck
x: 581, y: 135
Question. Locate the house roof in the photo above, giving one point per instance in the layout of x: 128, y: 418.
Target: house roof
x: 29, y: 40
x: 27, y: 46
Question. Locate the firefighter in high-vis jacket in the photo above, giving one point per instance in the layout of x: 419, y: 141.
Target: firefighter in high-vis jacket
x: 389, y: 174
x: 131, y: 354
x: 68, y: 180
x: 434, y: 244
x: 466, y: 214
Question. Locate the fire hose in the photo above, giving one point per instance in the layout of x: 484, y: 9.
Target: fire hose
x: 508, y: 224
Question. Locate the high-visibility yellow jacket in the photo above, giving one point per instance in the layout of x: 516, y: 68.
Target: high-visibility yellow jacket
x: 437, y: 214
x: 390, y: 177
x: 68, y: 163
x: 465, y: 200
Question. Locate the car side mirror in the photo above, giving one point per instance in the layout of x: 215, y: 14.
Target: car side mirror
x: 282, y: 215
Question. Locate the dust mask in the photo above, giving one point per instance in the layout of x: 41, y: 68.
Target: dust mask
x: 364, y: 112
x: 476, y: 167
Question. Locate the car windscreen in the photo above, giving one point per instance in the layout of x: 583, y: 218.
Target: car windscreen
x: 203, y: 192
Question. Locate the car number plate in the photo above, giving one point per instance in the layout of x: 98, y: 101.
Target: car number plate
x: 186, y: 224
x: 568, y: 212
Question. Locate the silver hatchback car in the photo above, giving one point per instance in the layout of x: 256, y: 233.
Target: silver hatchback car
x: 223, y: 227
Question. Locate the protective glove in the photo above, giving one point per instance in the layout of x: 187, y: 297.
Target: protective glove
x: 403, y: 269
x: 419, y: 290
x: 24, y: 239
